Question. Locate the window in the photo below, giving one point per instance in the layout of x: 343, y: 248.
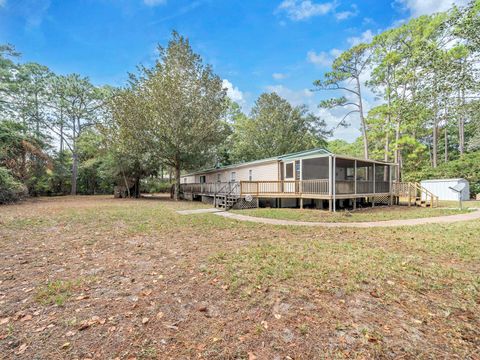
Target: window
x: 203, y: 179
x: 289, y: 171
x: 219, y: 177
x: 233, y: 176
x: 185, y: 180
x: 250, y: 175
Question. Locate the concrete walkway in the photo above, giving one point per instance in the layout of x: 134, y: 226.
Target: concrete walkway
x: 199, y: 211
x: 388, y: 223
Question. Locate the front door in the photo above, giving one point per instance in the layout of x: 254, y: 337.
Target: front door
x: 298, y: 170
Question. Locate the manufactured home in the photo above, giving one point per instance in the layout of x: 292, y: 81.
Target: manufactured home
x: 298, y: 179
x: 315, y: 178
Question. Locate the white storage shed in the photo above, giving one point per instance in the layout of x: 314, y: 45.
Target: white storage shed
x: 442, y: 188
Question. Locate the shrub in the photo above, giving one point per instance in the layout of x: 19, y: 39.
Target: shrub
x: 11, y: 190
x: 466, y: 167
x: 152, y: 185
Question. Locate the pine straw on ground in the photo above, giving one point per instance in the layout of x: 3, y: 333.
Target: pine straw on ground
x: 94, y: 277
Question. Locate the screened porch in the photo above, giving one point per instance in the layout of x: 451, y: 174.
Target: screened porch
x: 314, y: 178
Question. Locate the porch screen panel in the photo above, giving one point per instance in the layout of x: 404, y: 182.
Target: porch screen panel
x: 364, y: 177
x: 314, y: 169
x: 382, y: 178
x: 344, y: 176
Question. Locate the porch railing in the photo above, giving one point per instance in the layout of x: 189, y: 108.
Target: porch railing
x: 343, y: 187
x: 257, y: 188
x: 284, y: 187
x: 210, y: 188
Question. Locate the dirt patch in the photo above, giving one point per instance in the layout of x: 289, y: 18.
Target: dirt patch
x: 93, y: 277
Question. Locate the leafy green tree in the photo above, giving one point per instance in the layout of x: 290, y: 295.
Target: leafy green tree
x: 180, y: 106
x: 342, y: 147
x: 274, y: 128
x: 23, y: 155
x: 75, y: 105
x: 7, y: 71
x: 11, y: 189
x: 348, y: 67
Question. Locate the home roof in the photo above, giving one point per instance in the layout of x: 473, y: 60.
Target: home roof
x: 290, y: 156
x: 317, y: 152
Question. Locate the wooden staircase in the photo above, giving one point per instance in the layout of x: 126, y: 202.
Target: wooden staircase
x: 227, y: 200
x: 412, y: 193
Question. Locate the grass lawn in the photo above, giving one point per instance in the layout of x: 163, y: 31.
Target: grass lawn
x: 465, y: 204
x: 361, y: 215
x: 95, y: 277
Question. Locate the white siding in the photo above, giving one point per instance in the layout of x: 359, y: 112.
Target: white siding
x: 441, y: 188
x: 260, y: 172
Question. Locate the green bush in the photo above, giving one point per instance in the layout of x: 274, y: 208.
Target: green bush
x: 466, y: 167
x: 152, y: 185
x: 11, y: 190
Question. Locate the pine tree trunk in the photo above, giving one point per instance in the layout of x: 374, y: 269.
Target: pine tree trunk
x: 74, y: 172
x: 446, y: 143
x: 177, y: 182
x: 137, y: 187
x: 397, y: 150
x: 461, y: 126
x: 74, y: 161
x: 362, y: 120
x: 435, y: 143
x: 61, y: 130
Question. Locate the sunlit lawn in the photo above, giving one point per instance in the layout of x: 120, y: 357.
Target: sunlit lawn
x: 132, y: 278
x: 360, y: 215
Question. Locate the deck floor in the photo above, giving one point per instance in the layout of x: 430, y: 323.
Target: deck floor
x: 287, y: 195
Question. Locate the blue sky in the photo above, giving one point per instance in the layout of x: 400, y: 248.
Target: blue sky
x: 256, y: 46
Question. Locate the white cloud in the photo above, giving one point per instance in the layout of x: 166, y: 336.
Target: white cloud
x: 154, y: 2
x: 279, y: 76
x: 323, y: 58
x: 365, y: 37
x: 344, y: 15
x: 301, y: 10
x: 331, y: 116
x: 3, y: 3
x: 426, y: 7
x: 233, y: 92
x: 295, y: 97
x: 34, y: 11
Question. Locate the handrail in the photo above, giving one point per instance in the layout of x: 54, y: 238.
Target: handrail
x: 313, y: 186
x: 407, y: 188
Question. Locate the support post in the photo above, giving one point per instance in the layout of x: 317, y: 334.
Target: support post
x: 409, y: 195
x: 390, y: 188
x: 355, y: 177
x: 301, y: 203
x: 334, y: 184
x: 330, y: 182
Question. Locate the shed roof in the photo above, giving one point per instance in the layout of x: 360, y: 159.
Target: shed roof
x: 444, y: 180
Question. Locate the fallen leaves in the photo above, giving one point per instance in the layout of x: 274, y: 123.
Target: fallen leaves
x: 94, y: 320
x: 26, y: 318
x: 21, y: 349
x: 145, y: 320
